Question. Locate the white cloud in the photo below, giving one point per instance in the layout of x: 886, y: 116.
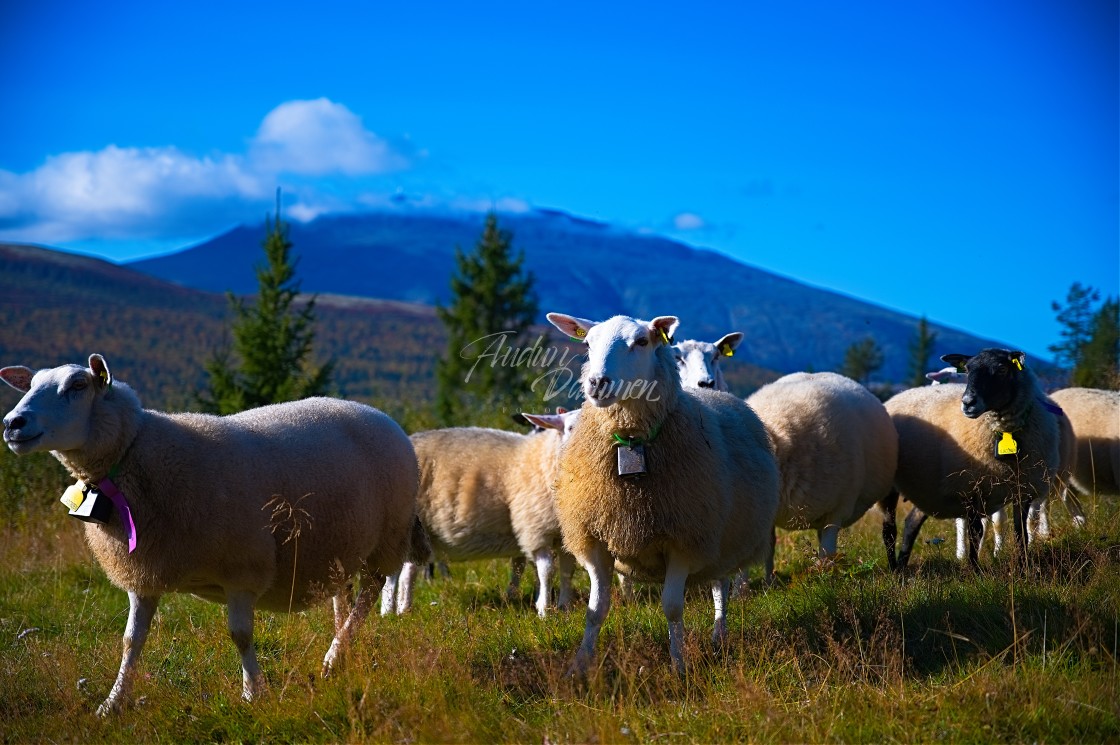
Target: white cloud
x: 163, y: 192
x: 318, y: 137
x: 689, y: 221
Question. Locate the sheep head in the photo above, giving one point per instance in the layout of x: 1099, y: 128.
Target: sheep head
x: 55, y: 412
x: 563, y: 421
x: 622, y: 354
x: 992, y: 382
x: 698, y: 361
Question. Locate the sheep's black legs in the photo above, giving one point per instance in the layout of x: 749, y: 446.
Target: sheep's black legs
x: 1021, y: 537
x: 975, y: 523
x: 141, y: 610
x: 887, y: 506
x: 913, y: 524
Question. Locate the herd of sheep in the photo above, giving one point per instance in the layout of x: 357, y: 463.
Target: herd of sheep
x: 661, y: 476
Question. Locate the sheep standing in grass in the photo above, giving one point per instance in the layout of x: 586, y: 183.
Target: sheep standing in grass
x: 698, y: 361
x: 485, y: 494
x: 967, y: 450
x: 667, y: 484
x: 1095, y: 417
x: 836, y: 449
x: 273, y: 508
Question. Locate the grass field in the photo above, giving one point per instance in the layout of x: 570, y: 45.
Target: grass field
x: 850, y: 654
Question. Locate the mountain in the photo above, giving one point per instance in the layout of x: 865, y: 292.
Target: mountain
x: 581, y: 267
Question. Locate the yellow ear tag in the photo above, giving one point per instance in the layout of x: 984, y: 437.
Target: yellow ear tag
x: 74, y: 495
x: 1007, y: 445
x: 1018, y: 363
x: 727, y: 351
x: 664, y: 336
x: 580, y: 333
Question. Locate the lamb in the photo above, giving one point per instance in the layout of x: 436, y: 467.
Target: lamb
x: 837, y: 450
x: 1004, y: 450
x: 1095, y: 417
x: 698, y: 361
x: 484, y: 494
x: 663, y: 483
x: 272, y: 508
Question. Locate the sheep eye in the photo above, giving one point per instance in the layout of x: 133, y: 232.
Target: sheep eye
x: 643, y: 342
x: 78, y: 384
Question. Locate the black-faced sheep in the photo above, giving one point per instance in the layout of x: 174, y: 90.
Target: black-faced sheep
x: 274, y: 508
x: 669, y: 485
x: 967, y: 450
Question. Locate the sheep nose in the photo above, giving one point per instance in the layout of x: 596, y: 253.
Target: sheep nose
x: 598, y: 384
x: 707, y: 383
x: 14, y: 422
x: 968, y: 400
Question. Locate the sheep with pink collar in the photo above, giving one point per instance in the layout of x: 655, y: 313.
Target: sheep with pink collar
x: 274, y: 508
x: 666, y: 484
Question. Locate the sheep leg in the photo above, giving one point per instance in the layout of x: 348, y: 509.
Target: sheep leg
x: 239, y: 614
x: 516, y: 568
x: 542, y: 557
x: 721, y: 590
x: 910, y: 529
x: 341, y: 604
x: 828, y: 537
x: 567, y: 567
x: 1039, y: 519
x: 975, y: 537
x: 887, y: 507
x: 389, y: 594
x: 1073, y: 506
x: 598, y: 564
x: 962, y: 538
x: 405, y: 587
x: 371, y: 586
x: 141, y: 610
x: 1021, y: 528
x: 994, y: 524
x: 672, y: 603
x: 625, y: 588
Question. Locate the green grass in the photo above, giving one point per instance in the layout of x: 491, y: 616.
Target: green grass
x: 848, y: 653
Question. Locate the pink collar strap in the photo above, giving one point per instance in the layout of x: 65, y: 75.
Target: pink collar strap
x: 110, y: 490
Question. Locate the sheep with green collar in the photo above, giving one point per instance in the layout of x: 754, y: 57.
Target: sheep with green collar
x: 967, y: 450
x: 273, y: 508
x: 666, y: 484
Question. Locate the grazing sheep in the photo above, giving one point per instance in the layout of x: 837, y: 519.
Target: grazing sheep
x: 1095, y: 417
x: 1004, y: 449
x: 698, y: 361
x: 272, y: 508
x: 836, y: 449
x: 663, y: 483
x: 485, y: 494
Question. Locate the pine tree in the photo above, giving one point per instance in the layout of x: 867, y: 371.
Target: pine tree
x: 272, y: 340
x: 861, y: 360
x: 492, y: 307
x: 1076, y: 318
x: 1099, y: 363
x: 920, y: 350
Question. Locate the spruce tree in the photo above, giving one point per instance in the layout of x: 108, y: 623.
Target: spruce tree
x: 920, y: 350
x: 862, y: 359
x: 491, y: 309
x: 272, y: 339
x: 1099, y: 363
x: 1076, y: 319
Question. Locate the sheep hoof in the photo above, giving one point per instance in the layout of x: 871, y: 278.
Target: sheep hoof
x: 109, y: 707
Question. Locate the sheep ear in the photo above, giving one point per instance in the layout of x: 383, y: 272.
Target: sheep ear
x: 546, y: 421
x: 100, y: 370
x: 729, y: 343
x: 662, y: 328
x: 18, y: 377
x: 576, y: 328
x: 956, y: 360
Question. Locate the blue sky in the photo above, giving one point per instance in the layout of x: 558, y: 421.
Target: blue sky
x: 957, y: 160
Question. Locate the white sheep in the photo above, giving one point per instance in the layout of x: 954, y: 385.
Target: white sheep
x: 1095, y: 417
x: 836, y: 448
x: 965, y: 451
x: 272, y: 508
x: 667, y: 484
x: 698, y: 361
x: 485, y: 494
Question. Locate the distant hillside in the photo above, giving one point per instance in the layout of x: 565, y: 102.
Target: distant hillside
x: 581, y: 267
x: 56, y: 307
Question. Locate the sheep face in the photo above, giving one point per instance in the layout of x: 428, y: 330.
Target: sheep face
x: 621, y: 354
x: 698, y: 361
x: 55, y: 411
x: 993, y: 378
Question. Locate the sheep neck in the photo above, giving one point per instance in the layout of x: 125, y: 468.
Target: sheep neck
x: 1015, y: 416
x: 115, y: 424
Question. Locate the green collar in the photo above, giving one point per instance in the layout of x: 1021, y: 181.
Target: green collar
x: 631, y: 441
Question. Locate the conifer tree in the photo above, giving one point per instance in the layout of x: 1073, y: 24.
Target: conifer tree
x: 862, y: 359
x: 272, y: 339
x: 1099, y: 363
x: 491, y: 309
x: 920, y: 350
x: 1076, y: 319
